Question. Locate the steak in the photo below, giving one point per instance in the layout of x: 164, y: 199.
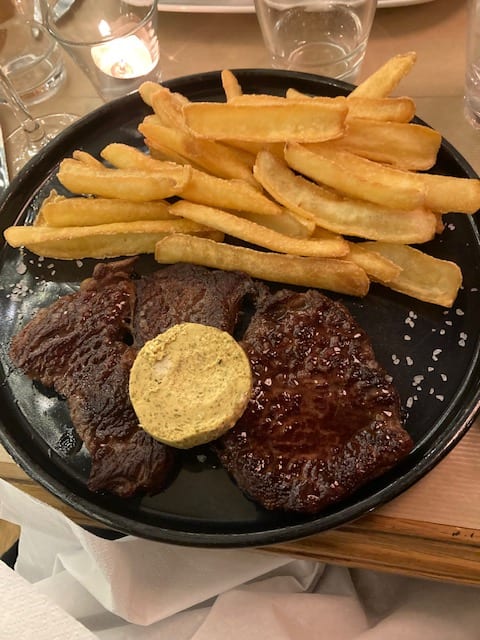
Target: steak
x: 84, y: 344
x: 324, y: 417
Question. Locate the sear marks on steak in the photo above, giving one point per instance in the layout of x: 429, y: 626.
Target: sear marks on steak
x: 188, y: 293
x: 324, y: 417
x: 84, y: 344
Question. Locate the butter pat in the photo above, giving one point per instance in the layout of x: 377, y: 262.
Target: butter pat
x: 190, y: 384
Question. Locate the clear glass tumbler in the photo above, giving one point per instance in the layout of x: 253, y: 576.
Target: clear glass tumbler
x: 32, y: 59
x: 113, y: 41
x: 326, y: 37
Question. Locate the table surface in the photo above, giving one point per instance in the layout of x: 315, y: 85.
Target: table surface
x: 433, y: 529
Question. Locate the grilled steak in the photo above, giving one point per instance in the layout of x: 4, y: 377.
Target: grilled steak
x: 324, y: 418
x: 84, y: 344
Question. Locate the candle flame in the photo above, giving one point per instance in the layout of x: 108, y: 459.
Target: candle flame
x: 104, y: 28
x: 123, y: 58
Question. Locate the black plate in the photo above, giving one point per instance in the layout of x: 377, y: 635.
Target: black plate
x: 432, y: 354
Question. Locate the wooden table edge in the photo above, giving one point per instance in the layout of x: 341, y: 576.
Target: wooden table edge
x: 408, y: 547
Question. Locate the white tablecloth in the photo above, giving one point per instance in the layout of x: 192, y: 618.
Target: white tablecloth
x: 69, y: 583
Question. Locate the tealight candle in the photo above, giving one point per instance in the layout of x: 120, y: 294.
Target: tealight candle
x: 114, y: 42
x: 123, y: 58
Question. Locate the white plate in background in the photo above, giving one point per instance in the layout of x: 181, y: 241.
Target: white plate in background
x: 246, y: 6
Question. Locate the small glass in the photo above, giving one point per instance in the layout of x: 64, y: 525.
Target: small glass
x: 113, y: 41
x: 326, y: 37
x: 32, y: 60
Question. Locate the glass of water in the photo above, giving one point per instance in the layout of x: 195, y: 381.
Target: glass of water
x: 326, y: 37
x: 472, y: 71
x: 32, y: 59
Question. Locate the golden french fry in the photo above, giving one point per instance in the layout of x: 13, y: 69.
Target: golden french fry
x: 266, y: 99
x: 381, y: 109
x: 201, y: 187
x: 378, y: 268
x: 123, y: 156
x: 372, y: 181
x: 338, y: 214
x: 72, y: 212
x: 286, y: 222
x: 422, y: 276
x: 213, y: 157
x: 305, y: 121
x: 230, y: 85
x: 100, y: 241
x: 448, y: 193
x: 161, y: 152
x: 118, y: 183
x: 325, y: 273
x: 87, y: 159
x: 147, y: 89
x: 255, y: 234
x: 168, y: 107
x: 402, y: 145
x: 400, y: 109
x: 238, y: 195
x: 255, y: 147
x: 383, y: 81
x: 356, y: 177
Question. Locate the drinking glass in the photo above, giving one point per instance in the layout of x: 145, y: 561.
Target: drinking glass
x: 113, y: 41
x: 32, y: 59
x: 33, y: 133
x: 327, y: 37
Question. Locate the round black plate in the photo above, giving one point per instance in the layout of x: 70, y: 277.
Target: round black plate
x: 432, y: 354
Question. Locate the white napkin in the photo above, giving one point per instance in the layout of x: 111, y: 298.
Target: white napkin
x: 133, y: 589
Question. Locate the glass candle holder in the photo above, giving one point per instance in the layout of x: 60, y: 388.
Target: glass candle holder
x: 114, y: 42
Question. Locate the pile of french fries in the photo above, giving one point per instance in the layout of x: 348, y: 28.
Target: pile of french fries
x: 314, y: 191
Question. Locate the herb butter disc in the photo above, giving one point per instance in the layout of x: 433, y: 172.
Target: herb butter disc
x: 190, y: 384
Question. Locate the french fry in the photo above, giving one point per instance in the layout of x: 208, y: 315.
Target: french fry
x: 201, y: 187
x: 378, y: 268
x: 422, y: 276
x: 401, y: 109
x: 330, y: 166
x: 382, y: 82
x: 255, y: 234
x: 137, y: 186
x: 147, y: 89
x: 356, y: 177
x: 230, y: 85
x: 352, y: 174
x: 87, y: 159
x: 448, y: 193
x: 123, y: 156
x: 286, y: 223
x: 72, y: 212
x: 213, y: 157
x: 255, y: 147
x: 168, y: 107
x: 161, y: 152
x: 100, y: 241
x: 267, y: 99
x: 305, y: 121
x: 402, y: 145
x: 338, y: 214
x: 326, y: 273
x: 238, y: 195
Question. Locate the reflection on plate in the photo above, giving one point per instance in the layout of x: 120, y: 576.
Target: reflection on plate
x: 432, y: 354
x: 247, y: 6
